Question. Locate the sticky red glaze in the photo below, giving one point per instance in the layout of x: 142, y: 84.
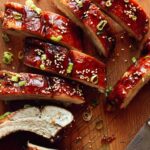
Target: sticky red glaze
x: 45, y: 25
x: 119, y: 8
x: 90, y: 15
x: 58, y: 59
x: 39, y: 86
x: 131, y: 78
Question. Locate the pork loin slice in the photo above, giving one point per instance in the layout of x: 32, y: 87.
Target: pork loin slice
x: 129, y: 85
x: 25, y: 86
x: 48, y: 25
x: 45, y: 122
x: 128, y: 14
x: 36, y: 147
x: 89, y: 17
x: 71, y: 64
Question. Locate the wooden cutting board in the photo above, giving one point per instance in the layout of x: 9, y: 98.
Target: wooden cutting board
x: 84, y: 135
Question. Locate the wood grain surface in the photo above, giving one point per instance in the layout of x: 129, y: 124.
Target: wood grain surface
x: 84, y: 135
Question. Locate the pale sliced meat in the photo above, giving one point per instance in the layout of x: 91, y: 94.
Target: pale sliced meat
x: 45, y: 122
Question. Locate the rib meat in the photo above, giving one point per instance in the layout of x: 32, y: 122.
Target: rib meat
x: 128, y: 14
x: 130, y: 84
x: 57, y: 59
x: 21, y: 86
x: 89, y: 17
x: 47, y: 25
x: 45, y: 122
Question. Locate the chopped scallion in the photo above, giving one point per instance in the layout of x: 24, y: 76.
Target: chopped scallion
x: 70, y: 68
x: 56, y: 39
x: 7, y: 57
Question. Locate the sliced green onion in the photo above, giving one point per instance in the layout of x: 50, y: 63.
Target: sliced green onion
x: 7, y: 57
x: 20, y: 55
x: 14, y: 78
x: 5, y: 37
x: 108, y: 3
x: 42, y: 66
x: 80, y: 3
x: 56, y: 39
x: 70, y: 68
x: 17, y: 16
x: 36, y: 9
x: 134, y: 60
x: 4, y: 115
x: 43, y: 57
x: 94, y: 79
x: 101, y: 25
x: 108, y: 90
x: 31, y: 5
x: 22, y: 83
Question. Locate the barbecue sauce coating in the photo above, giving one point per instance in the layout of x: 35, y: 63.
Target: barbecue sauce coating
x: 36, y: 86
x: 136, y: 73
x: 45, y: 25
x: 92, y: 19
x: 56, y: 59
x: 127, y: 13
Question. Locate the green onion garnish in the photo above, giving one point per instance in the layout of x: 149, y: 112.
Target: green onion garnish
x: 94, y: 79
x: 4, y: 115
x: 134, y: 60
x: 31, y: 5
x: 56, y: 39
x: 5, y: 37
x: 43, y: 57
x: 7, y: 58
x: 42, y: 66
x: 22, y: 83
x: 101, y: 25
x: 70, y: 68
x: 14, y: 78
x: 17, y: 16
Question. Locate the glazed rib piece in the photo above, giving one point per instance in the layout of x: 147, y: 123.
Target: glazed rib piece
x: 130, y: 84
x: 45, y: 122
x: 128, y: 14
x: 36, y: 147
x: 89, y: 17
x: 71, y: 64
x: 47, y: 25
x: 21, y: 86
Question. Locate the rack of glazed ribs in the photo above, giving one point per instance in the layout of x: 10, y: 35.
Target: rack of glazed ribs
x: 53, y: 47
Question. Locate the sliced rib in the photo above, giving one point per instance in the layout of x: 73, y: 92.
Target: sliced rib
x: 46, y: 122
x: 128, y: 14
x: 21, y: 86
x: 48, y: 25
x: 130, y: 84
x: 89, y: 17
x: 71, y: 64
